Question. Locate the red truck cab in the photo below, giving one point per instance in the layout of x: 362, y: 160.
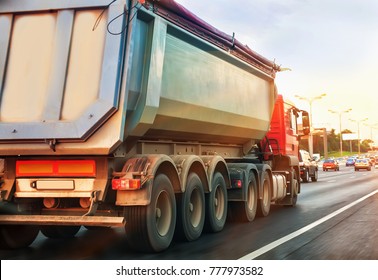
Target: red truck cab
x: 288, y: 124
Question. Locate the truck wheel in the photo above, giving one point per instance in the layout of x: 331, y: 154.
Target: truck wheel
x: 17, y: 236
x: 263, y: 207
x: 306, y: 176
x: 314, y: 178
x: 191, y: 209
x: 246, y: 210
x: 295, y: 189
x: 216, y: 203
x: 60, y: 231
x: 150, y: 228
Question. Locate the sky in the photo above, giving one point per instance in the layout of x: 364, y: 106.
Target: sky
x: 331, y: 47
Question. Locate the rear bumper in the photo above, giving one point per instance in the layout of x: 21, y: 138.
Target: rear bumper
x: 329, y: 167
x: 62, y: 220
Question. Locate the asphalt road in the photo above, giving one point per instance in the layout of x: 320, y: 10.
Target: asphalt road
x: 328, y: 223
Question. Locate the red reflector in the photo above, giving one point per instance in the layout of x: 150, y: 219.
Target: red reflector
x: 238, y: 183
x: 125, y: 184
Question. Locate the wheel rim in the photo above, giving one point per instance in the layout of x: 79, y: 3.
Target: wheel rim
x: 195, y: 207
x: 219, y: 203
x: 163, y: 213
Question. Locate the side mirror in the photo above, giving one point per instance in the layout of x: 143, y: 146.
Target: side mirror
x: 305, y: 123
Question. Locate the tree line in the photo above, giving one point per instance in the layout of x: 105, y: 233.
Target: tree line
x: 333, y: 144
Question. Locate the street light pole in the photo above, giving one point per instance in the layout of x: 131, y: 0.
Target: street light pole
x: 341, y: 139
x: 372, y: 126
x: 358, y: 132
x: 310, y: 100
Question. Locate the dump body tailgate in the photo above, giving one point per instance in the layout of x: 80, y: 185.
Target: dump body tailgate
x: 59, y: 68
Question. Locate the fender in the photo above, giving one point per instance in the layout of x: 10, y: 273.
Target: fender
x: 146, y: 166
x: 186, y: 163
x: 284, y: 162
x: 214, y: 164
x: 244, y: 168
x: 293, y: 160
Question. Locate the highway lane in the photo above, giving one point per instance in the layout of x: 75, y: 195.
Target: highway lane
x: 347, y: 235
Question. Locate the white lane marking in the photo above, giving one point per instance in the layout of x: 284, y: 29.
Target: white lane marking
x: 290, y: 236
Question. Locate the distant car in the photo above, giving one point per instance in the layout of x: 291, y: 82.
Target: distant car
x: 362, y: 163
x: 308, y: 167
x: 350, y: 162
x: 331, y: 164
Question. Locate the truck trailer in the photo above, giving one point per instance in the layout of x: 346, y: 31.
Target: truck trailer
x: 133, y: 114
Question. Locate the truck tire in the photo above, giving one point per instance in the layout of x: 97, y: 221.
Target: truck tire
x: 263, y: 206
x: 245, y: 211
x: 191, y: 209
x: 151, y: 228
x: 60, y: 231
x: 295, y: 190
x: 305, y: 177
x: 17, y: 236
x: 216, y: 204
x: 314, y: 177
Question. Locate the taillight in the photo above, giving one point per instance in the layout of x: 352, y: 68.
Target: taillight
x: 55, y: 168
x: 123, y: 184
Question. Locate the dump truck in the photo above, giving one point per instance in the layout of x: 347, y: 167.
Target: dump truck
x: 132, y: 114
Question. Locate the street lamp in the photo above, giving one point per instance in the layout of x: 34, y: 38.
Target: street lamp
x: 310, y: 100
x: 358, y: 132
x: 340, y: 113
x: 372, y: 126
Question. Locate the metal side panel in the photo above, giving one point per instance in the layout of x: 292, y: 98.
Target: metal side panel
x: 207, y: 95
x: 191, y: 90
x: 60, y: 68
